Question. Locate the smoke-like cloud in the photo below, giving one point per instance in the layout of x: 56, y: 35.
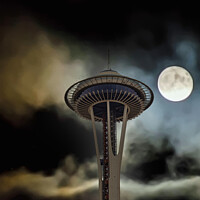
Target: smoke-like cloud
x: 36, y: 68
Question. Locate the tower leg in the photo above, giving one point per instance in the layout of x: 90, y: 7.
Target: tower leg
x: 97, y: 153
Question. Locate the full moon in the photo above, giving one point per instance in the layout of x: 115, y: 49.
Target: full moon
x: 175, y: 83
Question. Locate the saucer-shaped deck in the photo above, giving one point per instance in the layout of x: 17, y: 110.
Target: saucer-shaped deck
x: 109, y: 85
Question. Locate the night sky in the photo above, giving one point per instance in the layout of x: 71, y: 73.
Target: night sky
x: 46, y: 151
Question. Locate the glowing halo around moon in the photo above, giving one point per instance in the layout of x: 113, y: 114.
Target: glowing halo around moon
x: 175, y: 83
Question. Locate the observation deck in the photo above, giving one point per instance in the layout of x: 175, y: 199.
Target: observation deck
x: 109, y: 85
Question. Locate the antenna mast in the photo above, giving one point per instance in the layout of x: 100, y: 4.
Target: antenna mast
x: 109, y: 59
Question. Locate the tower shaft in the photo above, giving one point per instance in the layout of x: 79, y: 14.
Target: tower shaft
x: 109, y: 167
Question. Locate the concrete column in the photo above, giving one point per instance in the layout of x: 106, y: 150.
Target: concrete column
x: 97, y: 153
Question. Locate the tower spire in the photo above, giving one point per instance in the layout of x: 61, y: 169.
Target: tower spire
x: 109, y: 59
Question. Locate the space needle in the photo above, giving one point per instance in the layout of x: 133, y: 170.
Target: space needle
x: 109, y: 97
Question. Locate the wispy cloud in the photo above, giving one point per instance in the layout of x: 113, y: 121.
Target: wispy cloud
x: 71, y: 180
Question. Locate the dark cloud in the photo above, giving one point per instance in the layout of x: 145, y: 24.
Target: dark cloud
x: 185, y: 166
x: 152, y: 163
x: 44, y: 141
